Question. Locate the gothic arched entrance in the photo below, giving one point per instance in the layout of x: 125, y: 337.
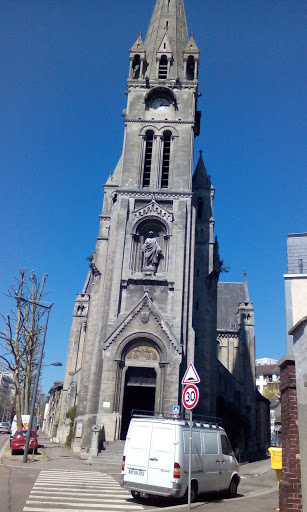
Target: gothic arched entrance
x: 139, y: 393
x: 140, y: 381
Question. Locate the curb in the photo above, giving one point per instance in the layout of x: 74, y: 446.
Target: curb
x: 253, y: 494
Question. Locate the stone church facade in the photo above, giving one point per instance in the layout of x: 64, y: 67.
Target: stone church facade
x: 149, y: 304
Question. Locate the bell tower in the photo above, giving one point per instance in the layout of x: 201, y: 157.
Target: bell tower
x: 140, y: 331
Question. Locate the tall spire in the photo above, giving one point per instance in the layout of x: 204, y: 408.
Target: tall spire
x: 201, y: 180
x: 168, y: 19
x: 246, y: 287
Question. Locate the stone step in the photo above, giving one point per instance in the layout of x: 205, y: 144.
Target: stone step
x: 112, y: 453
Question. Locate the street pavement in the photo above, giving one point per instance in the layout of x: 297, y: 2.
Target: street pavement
x: 57, y: 480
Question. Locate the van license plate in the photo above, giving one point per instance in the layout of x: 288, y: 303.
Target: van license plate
x: 138, y: 472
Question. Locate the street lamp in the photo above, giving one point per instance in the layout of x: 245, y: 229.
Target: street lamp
x: 57, y: 363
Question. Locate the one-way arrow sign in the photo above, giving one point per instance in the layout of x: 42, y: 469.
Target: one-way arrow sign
x: 191, y: 375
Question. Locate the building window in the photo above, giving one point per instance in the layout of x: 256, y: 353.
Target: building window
x: 147, y: 158
x: 136, y: 67
x: 200, y: 204
x: 166, y: 159
x: 163, y: 67
x: 190, y: 68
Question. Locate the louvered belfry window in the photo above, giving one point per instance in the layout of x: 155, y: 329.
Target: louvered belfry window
x: 163, y: 67
x: 147, y: 158
x: 166, y: 159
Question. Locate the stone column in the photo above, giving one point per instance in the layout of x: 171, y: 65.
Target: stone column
x: 93, y: 452
x: 290, y: 495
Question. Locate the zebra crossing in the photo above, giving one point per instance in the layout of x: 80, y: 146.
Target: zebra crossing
x: 78, y: 491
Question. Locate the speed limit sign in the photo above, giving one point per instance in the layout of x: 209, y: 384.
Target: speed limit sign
x: 190, y: 396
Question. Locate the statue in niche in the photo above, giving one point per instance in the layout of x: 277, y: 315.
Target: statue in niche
x: 152, y: 251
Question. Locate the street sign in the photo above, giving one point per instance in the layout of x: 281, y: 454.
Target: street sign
x: 191, y: 376
x: 190, y: 396
x: 176, y: 409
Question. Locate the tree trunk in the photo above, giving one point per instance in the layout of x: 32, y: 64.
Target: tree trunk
x: 17, y: 398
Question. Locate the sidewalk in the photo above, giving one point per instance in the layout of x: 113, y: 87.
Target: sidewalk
x: 258, y: 490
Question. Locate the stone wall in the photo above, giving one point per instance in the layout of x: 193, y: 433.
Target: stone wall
x: 290, y: 495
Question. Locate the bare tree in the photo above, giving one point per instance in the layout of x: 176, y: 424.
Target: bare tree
x: 21, y: 337
x: 7, y: 399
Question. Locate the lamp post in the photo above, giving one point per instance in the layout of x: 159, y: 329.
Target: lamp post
x: 26, y: 449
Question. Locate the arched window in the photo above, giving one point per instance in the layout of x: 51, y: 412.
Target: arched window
x: 163, y: 67
x: 190, y: 68
x: 147, y: 157
x: 166, y: 159
x: 136, y: 63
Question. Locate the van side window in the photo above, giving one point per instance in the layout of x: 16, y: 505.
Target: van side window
x: 195, y: 442
x: 210, y: 443
x: 226, y: 447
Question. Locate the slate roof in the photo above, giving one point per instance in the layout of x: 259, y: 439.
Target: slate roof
x: 267, y: 369
x: 229, y: 295
x: 200, y: 179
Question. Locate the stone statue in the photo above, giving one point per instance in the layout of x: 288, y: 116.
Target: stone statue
x: 152, y: 251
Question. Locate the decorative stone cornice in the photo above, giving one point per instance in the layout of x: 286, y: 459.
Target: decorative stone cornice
x: 142, y: 83
x: 159, y: 121
x: 142, y: 194
x: 154, y: 210
x: 227, y: 334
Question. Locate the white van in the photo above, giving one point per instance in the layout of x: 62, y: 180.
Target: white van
x: 25, y: 418
x: 156, y: 458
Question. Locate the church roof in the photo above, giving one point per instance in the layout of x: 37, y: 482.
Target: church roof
x: 200, y: 179
x: 229, y: 295
x: 114, y: 178
x: 168, y: 18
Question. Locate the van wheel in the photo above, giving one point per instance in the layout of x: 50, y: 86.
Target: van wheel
x: 233, y: 487
x: 194, y: 489
x: 136, y: 495
x: 194, y: 493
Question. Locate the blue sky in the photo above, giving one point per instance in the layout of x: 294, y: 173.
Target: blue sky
x: 64, y: 64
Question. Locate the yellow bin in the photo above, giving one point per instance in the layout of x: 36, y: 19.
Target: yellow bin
x: 276, y: 460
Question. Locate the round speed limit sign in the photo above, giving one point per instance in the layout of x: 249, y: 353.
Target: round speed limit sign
x: 190, y: 396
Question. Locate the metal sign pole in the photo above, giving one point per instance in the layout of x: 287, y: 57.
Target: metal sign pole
x: 190, y: 461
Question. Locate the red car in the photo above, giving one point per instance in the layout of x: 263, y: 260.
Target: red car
x: 19, y: 441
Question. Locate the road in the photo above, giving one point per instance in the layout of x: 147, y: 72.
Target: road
x: 62, y: 483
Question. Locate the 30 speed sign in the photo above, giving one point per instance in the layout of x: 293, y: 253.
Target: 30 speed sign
x: 190, y: 396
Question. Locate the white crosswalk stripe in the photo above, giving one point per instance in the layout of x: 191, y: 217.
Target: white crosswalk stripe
x: 78, y: 491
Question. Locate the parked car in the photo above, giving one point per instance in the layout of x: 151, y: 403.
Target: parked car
x: 19, y: 441
x: 5, y: 427
x: 156, y: 458
x: 25, y: 418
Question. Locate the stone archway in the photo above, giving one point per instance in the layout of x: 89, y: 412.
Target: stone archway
x: 141, y: 380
